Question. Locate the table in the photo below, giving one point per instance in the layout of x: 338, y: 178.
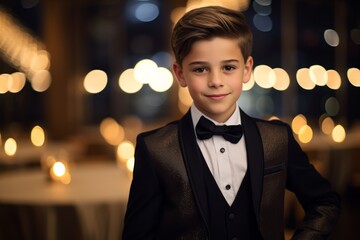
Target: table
x: 92, y: 206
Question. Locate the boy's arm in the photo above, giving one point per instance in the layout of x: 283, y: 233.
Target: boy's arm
x: 144, y: 202
x: 321, y: 203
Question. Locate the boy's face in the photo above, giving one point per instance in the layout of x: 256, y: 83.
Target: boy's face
x: 214, y: 72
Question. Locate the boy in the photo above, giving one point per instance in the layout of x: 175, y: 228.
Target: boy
x: 195, y: 180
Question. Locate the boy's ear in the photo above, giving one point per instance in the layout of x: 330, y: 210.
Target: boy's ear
x: 178, y: 71
x: 248, y: 69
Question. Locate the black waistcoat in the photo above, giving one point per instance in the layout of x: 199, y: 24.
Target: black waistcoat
x: 230, y: 222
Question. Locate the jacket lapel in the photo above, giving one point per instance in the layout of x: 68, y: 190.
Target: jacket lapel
x: 193, y: 163
x: 255, y: 159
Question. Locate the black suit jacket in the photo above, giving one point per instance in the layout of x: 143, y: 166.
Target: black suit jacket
x: 167, y: 197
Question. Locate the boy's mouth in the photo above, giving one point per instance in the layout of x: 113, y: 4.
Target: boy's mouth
x: 216, y: 96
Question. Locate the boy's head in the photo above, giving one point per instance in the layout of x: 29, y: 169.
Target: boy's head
x: 209, y: 22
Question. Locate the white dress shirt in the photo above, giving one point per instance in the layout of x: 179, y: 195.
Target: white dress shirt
x: 226, y: 161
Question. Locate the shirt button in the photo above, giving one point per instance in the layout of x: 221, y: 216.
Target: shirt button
x: 227, y: 187
x: 222, y: 150
x: 231, y: 216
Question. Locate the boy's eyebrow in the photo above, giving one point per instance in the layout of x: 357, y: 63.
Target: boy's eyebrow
x: 203, y: 62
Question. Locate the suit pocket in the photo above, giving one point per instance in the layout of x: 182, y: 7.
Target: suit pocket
x: 274, y: 169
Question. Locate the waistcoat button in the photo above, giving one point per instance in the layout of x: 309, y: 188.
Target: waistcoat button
x: 231, y: 216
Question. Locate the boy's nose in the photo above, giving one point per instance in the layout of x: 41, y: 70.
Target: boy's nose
x: 215, y: 80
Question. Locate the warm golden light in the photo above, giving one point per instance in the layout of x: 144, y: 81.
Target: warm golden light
x: 130, y: 164
x: 305, y: 134
x: 353, y: 75
x: 250, y: 84
x: 37, y: 136
x: 334, y: 79
x: 125, y: 150
x: 264, y: 76
x: 128, y: 83
x: 40, y: 61
x: 111, y: 131
x: 304, y: 80
x: 10, y: 147
x: 145, y: 71
x: 327, y: 125
x: 17, y: 82
x: 59, y: 172
x: 163, y: 80
x: 41, y: 80
x: 318, y: 75
x: 282, y: 79
x: 298, y: 122
x: 4, y: 82
x: 338, y: 134
x: 95, y: 81
x: 20, y: 48
x: 59, y: 169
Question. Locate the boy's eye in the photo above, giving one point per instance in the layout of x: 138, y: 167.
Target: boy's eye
x: 199, y: 70
x: 229, y: 68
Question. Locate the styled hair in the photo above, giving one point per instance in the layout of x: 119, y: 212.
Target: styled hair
x: 206, y: 23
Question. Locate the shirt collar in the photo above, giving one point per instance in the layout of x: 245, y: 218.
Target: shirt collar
x: 234, y: 119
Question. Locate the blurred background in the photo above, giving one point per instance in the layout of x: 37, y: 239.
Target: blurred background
x: 79, y: 79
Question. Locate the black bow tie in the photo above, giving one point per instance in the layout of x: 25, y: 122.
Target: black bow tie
x: 205, y: 129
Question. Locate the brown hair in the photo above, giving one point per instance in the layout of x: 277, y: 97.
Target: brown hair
x: 206, y: 23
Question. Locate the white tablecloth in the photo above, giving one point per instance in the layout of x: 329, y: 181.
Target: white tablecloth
x: 92, y: 206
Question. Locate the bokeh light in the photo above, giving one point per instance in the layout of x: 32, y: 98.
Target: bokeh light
x: 41, y: 80
x: 59, y: 169
x: 331, y: 37
x: 163, y: 80
x: 262, y: 23
x: 128, y: 83
x: 17, y: 82
x: 353, y: 75
x: 332, y: 106
x: 95, y: 81
x: 334, y: 79
x: 125, y: 151
x: 305, y: 134
x: 304, y: 80
x: 250, y: 84
x: 326, y: 124
x: 282, y: 79
x: 37, y: 136
x: 298, y: 122
x: 264, y: 76
x: 338, y: 133
x: 111, y: 131
x: 10, y: 147
x: 146, y: 12
x: 318, y: 75
x: 144, y: 70
x: 4, y: 82
x: 130, y: 164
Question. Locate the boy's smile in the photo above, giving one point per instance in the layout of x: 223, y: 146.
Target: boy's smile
x: 214, y: 71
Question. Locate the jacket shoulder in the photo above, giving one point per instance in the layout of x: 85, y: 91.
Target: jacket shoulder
x: 160, y: 131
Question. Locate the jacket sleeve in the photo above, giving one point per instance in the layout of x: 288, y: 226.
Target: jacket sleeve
x: 321, y: 204
x: 142, y: 214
